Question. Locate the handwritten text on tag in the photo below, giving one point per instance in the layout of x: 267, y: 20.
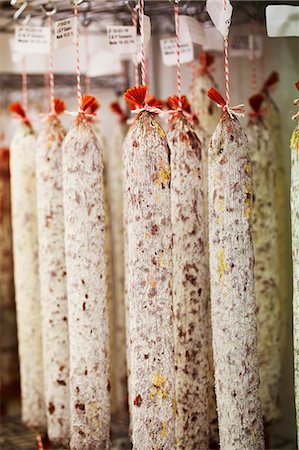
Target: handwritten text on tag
x: 168, y: 49
x: 32, y: 39
x: 65, y: 32
x: 122, y: 39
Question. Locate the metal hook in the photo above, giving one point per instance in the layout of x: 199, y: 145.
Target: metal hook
x: 49, y: 9
x: 20, y: 11
x: 86, y: 21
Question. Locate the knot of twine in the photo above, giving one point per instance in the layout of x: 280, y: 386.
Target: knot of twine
x: 80, y: 112
x: 148, y: 108
x: 233, y: 111
x: 296, y: 102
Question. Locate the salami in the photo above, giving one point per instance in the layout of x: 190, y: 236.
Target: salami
x: 86, y: 285
x: 273, y: 122
x: 115, y: 181
x: 190, y: 281
x: 232, y: 285
x: 295, y: 246
x: 213, y: 418
x: 265, y: 244
x: 108, y: 255
x: 52, y: 272
x: 9, y: 379
x: 203, y: 107
x: 26, y: 276
x: 149, y: 278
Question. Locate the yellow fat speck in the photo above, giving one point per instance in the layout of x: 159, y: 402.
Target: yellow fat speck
x: 164, y: 429
x: 158, y: 379
x: 175, y: 409
x: 221, y: 262
x: 147, y: 235
x: 152, y: 393
x: 295, y: 139
x: 162, y: 393
x: 248, y: 167
x: 159, y: 129
x: 247, y: 212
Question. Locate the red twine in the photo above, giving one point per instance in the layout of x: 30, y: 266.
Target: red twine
x: 51, y: 70
x: 87, y: 60
x: 24, y: 85
x: 178, y: 106
x: 296, y: 102
x: 117, y: 109
x: 39, y: 441
x: 19, y: 112
x: 135, y: 23
x: 233, y: 111
x: 271, y: 81
x: 206, y: 60
x: 256, y: 102
x: 137, y: 101
x: 141, y: 21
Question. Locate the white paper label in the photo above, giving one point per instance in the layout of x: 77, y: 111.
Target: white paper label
x: 122, y: 40
x: 242, y: 45
x: 282, y: 20
x: 220, y: 13
x: 65, y: 32
x: 146, y: 29
x: 32, y: 39
x: 191, y: 30
x: 213, y: 40
x: 110, y: 65
x: 168, y: 49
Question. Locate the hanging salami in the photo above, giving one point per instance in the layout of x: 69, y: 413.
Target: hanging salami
x: 53, y: 274
x: 116, y: 190
x: 203, y: 107
x: 190, y: 280
x: 295, y: 243
x: 149, y: 277
x: 265, y: 243
x: 9, y: 376
x: 26, y: 270
x: 86, y: 284
x: 232, y: 284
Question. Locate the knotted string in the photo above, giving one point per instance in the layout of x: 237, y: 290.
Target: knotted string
x: 135, y: 24
x: 51, y: 72
x: 233, y: 111
x: 296, y: 103
x: 141, y: 22
x: 178, y: 61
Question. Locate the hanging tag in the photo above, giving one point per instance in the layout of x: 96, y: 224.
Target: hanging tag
x: 191, y: 30
x: 213, y: 39
x: 220, y: 13
x: 282, y: 20
x: 111, y: 64
x: 121, y: 39
x: 169, y: 55
x: 65, y: 32
x: 241, y: 46
x: 146, y: 29
x: 32, y: 39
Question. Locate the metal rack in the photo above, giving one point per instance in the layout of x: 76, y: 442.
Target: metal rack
x: 99, y: 11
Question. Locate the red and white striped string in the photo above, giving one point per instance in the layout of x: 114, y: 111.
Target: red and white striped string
x: 192, y: 86
x: 39, y: 441
x: 51, y: 69
x: 177, y: 36
x: 87, y: 62
x: 226, y: 66
x: 135, y: 23
x: 77, y: 54
x: 24, y: 85
x: 141, y: 21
